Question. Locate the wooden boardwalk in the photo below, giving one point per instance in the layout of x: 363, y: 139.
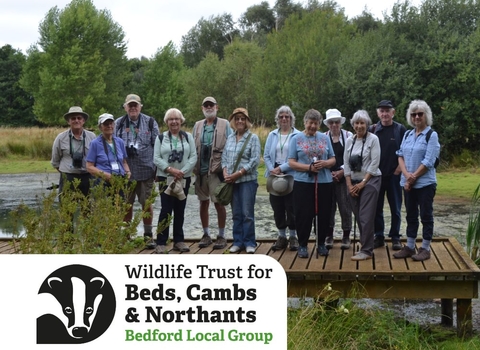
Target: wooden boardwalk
x: 449, y: 274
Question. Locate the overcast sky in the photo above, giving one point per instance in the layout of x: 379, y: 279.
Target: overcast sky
x: 148, y: 24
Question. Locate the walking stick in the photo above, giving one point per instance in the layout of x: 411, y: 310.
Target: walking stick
x: 354, y: 232
x: 316, y: 214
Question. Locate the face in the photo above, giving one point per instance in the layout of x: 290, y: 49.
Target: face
x: 311, y: 127
x: 360, y: 127
x: 419, y: 119
x: 174, y: 122
x: 240, y: 122
x: 209, y: 110
x: 133, y: 110
x: 107, y: 127
x: 284, y: 121
x: 76, y: 121
x: 334, y: 126
x: 385, y: 115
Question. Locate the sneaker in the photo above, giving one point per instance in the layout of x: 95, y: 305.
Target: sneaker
x: 280, y: 244
x: 234, y: 249
x: 205, y: 241
x: 220, y: 243
x: 345, y: 243
x: 360, y: 256
x: 406, y: 252
x: 181, y: 246
x: 150, y: 243
x: 422, y: 255
x: 396, y: 245
x: 302, y: 252
x: 293, y: 243
x: 378, y: 242
x: 160, y: 249
x: 322, y: 250
x: 250, y: 250
x: 329, y: 242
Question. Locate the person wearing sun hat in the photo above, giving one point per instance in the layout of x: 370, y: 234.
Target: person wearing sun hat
x: 70, y: 148
x: 338, y: 138
x: 243, y: 177
x: 275, y: 157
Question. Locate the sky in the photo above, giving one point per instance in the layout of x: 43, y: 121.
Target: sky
x: 148, y: 24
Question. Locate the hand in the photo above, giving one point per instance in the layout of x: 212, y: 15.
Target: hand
x: 407, y: 186
x: 276, y: 171
x: 411, y: 179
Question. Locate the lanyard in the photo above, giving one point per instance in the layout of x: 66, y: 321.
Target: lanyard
x: 280, y: 140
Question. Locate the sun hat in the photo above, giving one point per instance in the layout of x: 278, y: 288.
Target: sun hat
x: 239, y: 110
x: 280, y: 185
x: 175, y: 189
x: 333, y: 114
x: 75, y: 110
x: 385, y: 103
x: 132, y: 98
x: 104, y: 117
x: 209, y: 99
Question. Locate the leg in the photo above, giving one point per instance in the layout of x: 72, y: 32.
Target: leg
x: 366, y: 212
x: 278, y: 205
x: 179, y: 214
x: 249, y: 192
x: 464, y: 317
x: 221, y: 215
x: 303, y: 193
x: 394, y: 197
x: 379, y: 220
x: 204, y: 205
x: 163, y: 226
x: 324, y: 206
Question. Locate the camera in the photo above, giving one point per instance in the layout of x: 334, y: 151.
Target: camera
x: 77, y: 159
x: 175, y: 156
x: 356, y: 163
x: 132, y: 151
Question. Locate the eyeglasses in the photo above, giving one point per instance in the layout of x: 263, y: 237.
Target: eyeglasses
x: 334, y: 122
x: 132, y: 105
x: 76, y: 118
x: 283, y: 117
x: 208, y: 104
x: 419, y: 114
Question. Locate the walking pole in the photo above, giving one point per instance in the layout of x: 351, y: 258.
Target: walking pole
x: 316, y: 214
x: 354, y: 232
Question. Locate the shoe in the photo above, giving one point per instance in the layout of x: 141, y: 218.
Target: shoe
x: 378, y: 242
x: 160, y: 249
x: 205, y: 241
x: 250, y: 250
x: 302, y: 252
x: 322, y: 250
x: 181, y: 246
x: 234, y: 249
x: 220, y: 243
x: 293, y: 243
x: 422, y: 255
x: 150, y: 242
x: 396, y: 245
x: 406, y: 252
x: 345, y: 243
x: 280, y: 244
x: 329, y: 242
x: 360, y: 256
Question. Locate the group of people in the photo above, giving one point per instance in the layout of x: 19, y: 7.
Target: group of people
x: 309, y: 173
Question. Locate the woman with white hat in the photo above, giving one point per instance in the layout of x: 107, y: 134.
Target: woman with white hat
x: 280, y: 179
x: 338, y: 138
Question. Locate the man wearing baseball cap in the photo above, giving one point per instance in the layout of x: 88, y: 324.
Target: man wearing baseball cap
x: 139, y: 132
x: 390, y: 135
x: 210, y: 135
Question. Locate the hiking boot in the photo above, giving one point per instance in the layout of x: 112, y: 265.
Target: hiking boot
x: 220, y: 243
x: 280, y: 244
x: 329, y: 242
x: 302, y: 252
x: 406, y: 252
x: 345, y: 243
x: 161, y: 249
x: 378, y: 242
x: 293, y: 243
x: 150, y: 242
x: 422, y: 255
x: 205, y: 241
x: 360, y: 256
x: 396, y: 245
x: 322, y: 250
x: 181, y: 246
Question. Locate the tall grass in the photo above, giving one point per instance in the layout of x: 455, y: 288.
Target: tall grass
x: 473, y: 228
x: 34, y: 143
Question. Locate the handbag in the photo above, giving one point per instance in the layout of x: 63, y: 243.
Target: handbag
x: 224, y: 191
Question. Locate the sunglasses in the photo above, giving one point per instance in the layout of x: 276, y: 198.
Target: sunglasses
x: 334, y: 122
x: 283, y: 117
x: 419, y: 114
x: 208, y: 104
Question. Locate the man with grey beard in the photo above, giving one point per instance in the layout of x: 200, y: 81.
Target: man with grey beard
x: 210, y: 135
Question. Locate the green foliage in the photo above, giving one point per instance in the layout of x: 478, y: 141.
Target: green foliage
x: 83, y: 53
x: 79, y: 224
x: 473, y: 228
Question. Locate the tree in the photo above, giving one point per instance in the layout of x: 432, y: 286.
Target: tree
x: 81, y: 62
x: 15, y: 104
x: 257, y: 22
x: 210, y: 35
x: 284, y: 9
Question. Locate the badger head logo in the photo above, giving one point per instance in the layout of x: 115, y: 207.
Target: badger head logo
x: 80, y: 305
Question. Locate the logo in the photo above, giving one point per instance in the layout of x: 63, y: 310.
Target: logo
x: 80, y: 303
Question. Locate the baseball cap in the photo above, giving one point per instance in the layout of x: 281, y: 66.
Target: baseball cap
x: 104, y: 117
x: 133, y: 98
x: 209, y: 99
x: 385, y: 103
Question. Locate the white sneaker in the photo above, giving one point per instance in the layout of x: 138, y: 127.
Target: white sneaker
x: 234, y: 249
x: 250, y: 250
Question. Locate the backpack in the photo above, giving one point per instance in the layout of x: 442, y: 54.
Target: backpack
x: 427, y: 138
x: 150, y: 127
x: 183, y: 134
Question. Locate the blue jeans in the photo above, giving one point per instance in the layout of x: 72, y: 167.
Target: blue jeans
x: 243, y: 214
x: 420, y: 198
x: 391, y: 187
